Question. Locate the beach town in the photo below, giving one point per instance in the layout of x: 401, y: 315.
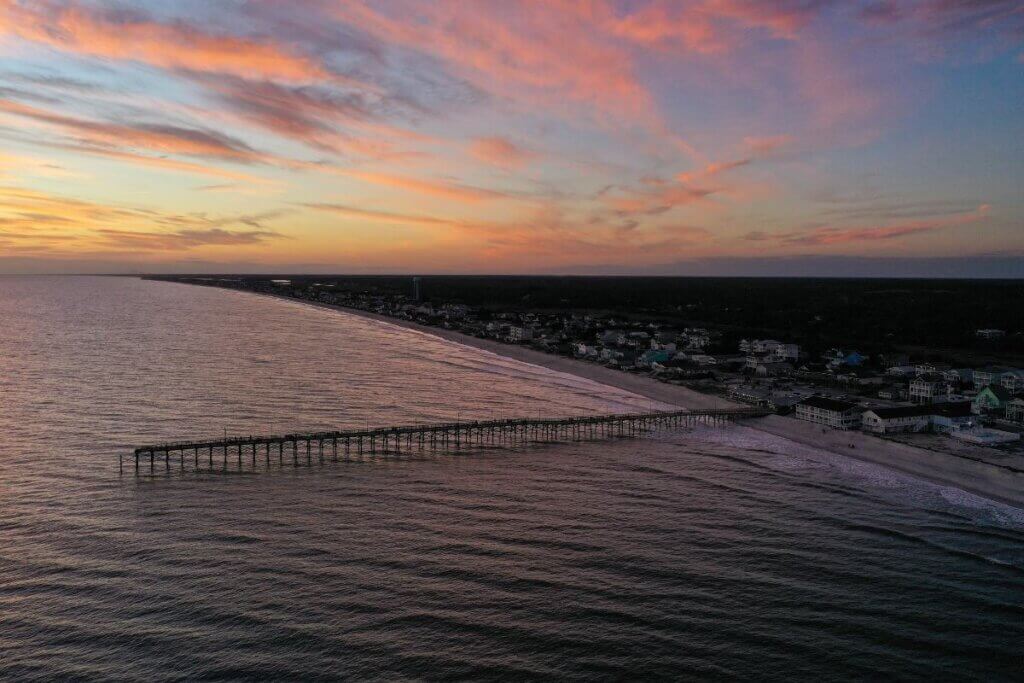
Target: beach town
x: 973, y: 412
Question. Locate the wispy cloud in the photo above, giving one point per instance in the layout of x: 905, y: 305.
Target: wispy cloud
x: 833, y: 235
x: 31, y: 217
x: 502, y: 152
x: 508, y: 133
x: 132, y: 36
x: 182, y: 240
x: 156, y: 137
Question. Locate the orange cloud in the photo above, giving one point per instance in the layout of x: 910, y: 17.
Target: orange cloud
x: 547, y: 236
x: 163, y: 163
x: 501, y: 152
x: 182, y: 240
x: 435, y: 188
x: 30, y: 217
x: 379, y: 216
x: 170, y: 46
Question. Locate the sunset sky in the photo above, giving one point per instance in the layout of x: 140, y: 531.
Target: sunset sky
x: 662, y: 136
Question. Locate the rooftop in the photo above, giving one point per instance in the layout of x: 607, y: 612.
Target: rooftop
x: 825, y: 403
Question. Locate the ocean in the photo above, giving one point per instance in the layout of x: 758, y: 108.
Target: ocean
x: 708, y: 554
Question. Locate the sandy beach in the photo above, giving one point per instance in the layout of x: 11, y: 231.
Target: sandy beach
x: 992, y: 480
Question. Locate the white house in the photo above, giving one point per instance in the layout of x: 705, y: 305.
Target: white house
x: 898, y: 419
x: 942, y: 418
x: 928, y: 389
x: 830, y: 412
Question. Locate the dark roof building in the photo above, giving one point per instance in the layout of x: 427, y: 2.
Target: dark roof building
x: 826, y: 403
x: 830, y: 412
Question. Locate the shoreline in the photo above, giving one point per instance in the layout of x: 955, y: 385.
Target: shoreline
x: 987, y: 480
x: 645, y: 387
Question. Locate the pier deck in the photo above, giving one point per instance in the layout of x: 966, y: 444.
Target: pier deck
x: 429, y: 437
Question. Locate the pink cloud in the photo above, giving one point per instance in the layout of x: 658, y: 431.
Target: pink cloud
x: 169, y: 139
x: 537, y: 50
x: 175, y: 45
x: 501, y: 152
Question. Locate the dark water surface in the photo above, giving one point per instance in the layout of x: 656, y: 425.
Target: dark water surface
x: 711, y: 554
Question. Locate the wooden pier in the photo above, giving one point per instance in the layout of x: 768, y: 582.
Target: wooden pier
x: 305, y: 448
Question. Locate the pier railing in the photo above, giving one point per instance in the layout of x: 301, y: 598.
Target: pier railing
x: 429, y: 437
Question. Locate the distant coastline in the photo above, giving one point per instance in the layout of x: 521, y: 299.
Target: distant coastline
x: 995, y: 482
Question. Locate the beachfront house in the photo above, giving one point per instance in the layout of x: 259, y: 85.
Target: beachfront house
x: 992, y: 400
x: 1015, y: 410
x: 953, y: 416
x: 898, y: 419
x: 943, y: 418
x: 829, y: 412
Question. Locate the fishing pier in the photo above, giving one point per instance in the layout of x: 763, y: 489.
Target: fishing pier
x: 442, y: 437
